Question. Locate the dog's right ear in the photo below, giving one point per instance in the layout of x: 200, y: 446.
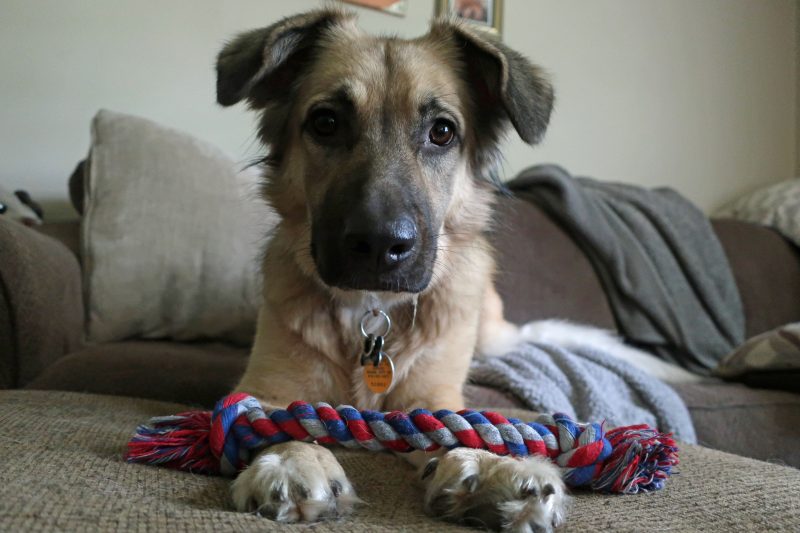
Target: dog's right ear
x: 261, y: 65
x: 503, y: 81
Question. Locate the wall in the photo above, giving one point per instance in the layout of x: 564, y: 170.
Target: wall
x: 701, y: 96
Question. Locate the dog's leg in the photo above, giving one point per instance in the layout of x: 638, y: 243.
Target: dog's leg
x: 476, y: 487
x: 294, y: 482
x: 479, y: 488
x: 497, y: 335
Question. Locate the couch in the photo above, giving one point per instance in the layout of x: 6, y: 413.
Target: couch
x: 68, y: 407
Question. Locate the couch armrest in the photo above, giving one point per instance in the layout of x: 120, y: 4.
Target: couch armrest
x: 41, y: 304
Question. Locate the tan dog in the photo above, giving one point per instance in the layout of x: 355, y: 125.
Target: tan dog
x: 379, y: 153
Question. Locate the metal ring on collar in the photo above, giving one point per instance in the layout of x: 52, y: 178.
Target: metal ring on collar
x: 388, y: 322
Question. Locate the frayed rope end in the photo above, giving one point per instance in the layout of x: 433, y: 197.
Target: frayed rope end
x: 180, y: 442
x: 641, y: 460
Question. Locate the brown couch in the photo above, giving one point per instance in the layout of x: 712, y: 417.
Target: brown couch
x: 542, y: 275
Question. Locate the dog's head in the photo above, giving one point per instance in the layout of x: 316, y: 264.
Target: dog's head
x: 378, y: 145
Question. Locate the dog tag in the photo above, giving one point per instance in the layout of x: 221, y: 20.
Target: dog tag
x: 379, y: 377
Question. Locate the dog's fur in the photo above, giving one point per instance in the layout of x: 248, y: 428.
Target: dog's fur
x: 382, y: 164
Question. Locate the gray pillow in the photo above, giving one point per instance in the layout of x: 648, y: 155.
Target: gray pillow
x: 170, y: 236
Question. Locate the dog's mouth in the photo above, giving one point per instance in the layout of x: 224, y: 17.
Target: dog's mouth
x: 360, y: 282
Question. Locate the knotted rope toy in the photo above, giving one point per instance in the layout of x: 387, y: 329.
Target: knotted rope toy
x: 624, y: 460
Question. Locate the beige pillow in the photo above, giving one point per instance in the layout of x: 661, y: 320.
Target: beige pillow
x: 170, y: 236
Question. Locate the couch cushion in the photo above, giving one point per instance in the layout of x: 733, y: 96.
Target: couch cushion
x: 171, y: 236
x: 62, y: 470
x: 767, y: 271
x: 195, y: 374
x: 541, y: 272
x: 762, y: 424
x: 67, y: 232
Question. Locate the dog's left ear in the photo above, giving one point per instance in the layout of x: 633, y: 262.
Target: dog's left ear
x: 504, y: 82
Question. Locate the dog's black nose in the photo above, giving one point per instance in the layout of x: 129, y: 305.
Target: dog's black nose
x: 385, y: 245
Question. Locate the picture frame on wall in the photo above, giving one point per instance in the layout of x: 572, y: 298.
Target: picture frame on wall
x: 486, y: 15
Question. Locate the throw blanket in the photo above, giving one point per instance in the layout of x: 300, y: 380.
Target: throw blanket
x: 665, y: 273
x: 585, y: 384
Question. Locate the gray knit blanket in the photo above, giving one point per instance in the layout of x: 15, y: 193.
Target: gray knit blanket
x: 586, y: 384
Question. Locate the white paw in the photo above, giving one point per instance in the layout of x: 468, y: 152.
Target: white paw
x: 478, y: 488
x: 293, y: 482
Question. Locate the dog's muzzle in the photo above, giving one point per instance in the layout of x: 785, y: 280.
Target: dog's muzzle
x: 384, y: 248
x: 374, y: 254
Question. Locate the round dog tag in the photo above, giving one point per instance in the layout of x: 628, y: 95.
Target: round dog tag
x: 379, y: 377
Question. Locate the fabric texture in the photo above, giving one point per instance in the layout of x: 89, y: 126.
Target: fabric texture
x: 585, y: 384
x: 775, y: 354
x: 171, y: 236
x: 63, y: 471
x: 777, y: 206
x: 664, y: 272
x: 41, y: 307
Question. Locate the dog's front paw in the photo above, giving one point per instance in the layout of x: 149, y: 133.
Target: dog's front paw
x: 478, y: 488
x: 293, y: 482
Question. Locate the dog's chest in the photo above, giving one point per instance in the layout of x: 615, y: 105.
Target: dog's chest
x: 362, y: 394
x: 339, y: 337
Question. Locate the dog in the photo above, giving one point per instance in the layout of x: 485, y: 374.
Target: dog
x: 381, y: 153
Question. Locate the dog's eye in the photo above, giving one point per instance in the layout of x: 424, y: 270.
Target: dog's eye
x: 442, y: 132
x: 323, y: 122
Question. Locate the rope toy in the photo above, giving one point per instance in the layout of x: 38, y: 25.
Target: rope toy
x: 624, y: 460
